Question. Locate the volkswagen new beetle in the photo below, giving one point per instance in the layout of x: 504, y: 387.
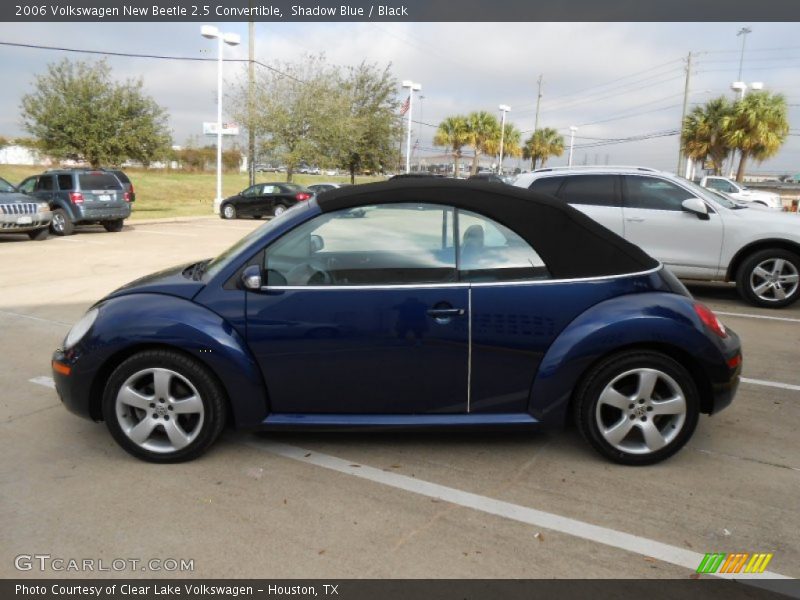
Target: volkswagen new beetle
x: 407, y: 304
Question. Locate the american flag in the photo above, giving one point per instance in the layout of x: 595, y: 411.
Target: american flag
x: 405, y: 105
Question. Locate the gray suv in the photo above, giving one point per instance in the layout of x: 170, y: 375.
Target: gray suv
x: 80, y: 196
x: 19, y: 215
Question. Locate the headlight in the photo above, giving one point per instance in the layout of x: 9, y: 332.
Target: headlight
x: 44, y: 207
x: 80, y: 329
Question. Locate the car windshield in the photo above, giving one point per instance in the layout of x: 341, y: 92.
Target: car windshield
x: 6, y: 187
x: 712, y: 195
x: 223, y: 260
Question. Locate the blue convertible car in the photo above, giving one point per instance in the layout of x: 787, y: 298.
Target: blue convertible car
x: 413, y: 303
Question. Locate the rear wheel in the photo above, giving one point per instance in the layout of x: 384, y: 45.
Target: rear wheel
x: 770, y: 278
x: 39, y: 234
x: 61, y: 223
x: 278, y: 210
x: 162, y: 406
x: 637, y: 407
x: 113, y: 226
x: 229, y: 211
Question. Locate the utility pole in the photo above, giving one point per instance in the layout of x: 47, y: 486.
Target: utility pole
x: 251, y: 134
x: 683, y: 112
x: 538, y: 101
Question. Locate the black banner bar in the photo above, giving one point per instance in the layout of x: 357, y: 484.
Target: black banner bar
x: 400, y: 10
x: 396, y: 589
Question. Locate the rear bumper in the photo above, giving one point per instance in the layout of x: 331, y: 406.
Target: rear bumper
x: 102, y: 213
x: 725, y: 378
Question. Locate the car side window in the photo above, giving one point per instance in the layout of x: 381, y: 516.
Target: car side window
x: 28, y: 185
x: 653, y: 193
x: 547, y: 185
x: 269, y: 189
x: 45, y: 183
x: 65, y: 182
x: 389, y: 244
x: 594, y: 190
x: 491, y: 252
x: 251, y: 191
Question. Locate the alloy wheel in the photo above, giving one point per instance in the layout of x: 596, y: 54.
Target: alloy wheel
x: 229, y: 212
x: 159, y: 410
x: 58, y: 222
x: 279, y: 210
x: 641, y: 411
x: 774, y: 280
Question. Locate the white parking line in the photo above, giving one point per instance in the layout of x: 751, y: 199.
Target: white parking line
x: 775, y: 384
x: 32, y: 318
x: 523, y: 514
x: 82, y: 241
x: 751, y: 316
x: 45, y: 381
x: 156, y: 232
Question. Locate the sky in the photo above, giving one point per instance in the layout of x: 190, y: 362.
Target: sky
x: 611, y: 80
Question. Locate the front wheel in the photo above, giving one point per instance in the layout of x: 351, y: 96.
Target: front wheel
x: 637, y: 407
x: 162, y: 406
x: 61, y: 223
x: 770, y: 278
x: 229, y: 211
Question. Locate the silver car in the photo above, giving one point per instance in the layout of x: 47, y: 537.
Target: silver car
x: 19, y: 214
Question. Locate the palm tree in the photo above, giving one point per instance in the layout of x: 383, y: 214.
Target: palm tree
x: 757, y: 127
x: 703, y: 135
x: 543, y: 144
x: 484, y: 135
x: 512, y: 141
x: 453, y: 134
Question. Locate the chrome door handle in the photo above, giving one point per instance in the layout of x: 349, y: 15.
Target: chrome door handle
x: 444, y: 313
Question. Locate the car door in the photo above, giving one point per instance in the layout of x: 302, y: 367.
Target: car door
x: 362, y: 313
x: 596, y: 195
x: 270, y: 194
x: 248, y: 201
x: 44, y: 189
x: 656, y: 222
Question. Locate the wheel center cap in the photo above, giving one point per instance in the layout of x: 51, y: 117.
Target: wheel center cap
x: 161, y: 409
x: 640, y: 410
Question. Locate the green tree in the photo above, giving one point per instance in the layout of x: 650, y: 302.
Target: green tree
x: 452, y: 133
x: 512, y: 141
x: 363, y: 133
x: 483, y: 132
x: 704, y: 136
x: 77, y: 111
x: 542, y: 144
x: 757, y: 127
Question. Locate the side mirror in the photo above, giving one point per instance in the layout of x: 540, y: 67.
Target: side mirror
x: 251, y: 277
x: 696, y: 207
x: 317, y: 243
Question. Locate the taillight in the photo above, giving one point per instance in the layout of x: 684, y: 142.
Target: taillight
x: 302, y: 196
x: 76, y: 197
x: 126, y: 196
x: 710, y: 320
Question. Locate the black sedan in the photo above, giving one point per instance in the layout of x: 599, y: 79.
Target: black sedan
x: 264, y: 199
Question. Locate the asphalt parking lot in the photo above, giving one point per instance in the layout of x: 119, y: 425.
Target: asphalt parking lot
x: 374, y: 505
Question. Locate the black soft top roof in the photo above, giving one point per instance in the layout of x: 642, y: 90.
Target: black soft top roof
x: 570, y: 243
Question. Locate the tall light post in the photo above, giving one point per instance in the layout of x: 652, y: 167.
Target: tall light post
x: 743, y: 32
x: 572, y: 131
x: 504, y: 108
x: 412, y: 87
x: 741, y: 87
x: 232, y: 39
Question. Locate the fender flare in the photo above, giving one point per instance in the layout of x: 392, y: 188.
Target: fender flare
x: 135, y: 322
x: 655, y: 320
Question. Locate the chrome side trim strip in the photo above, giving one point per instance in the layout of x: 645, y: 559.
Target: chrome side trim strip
x: 469, y: 349
x: 462, y: 284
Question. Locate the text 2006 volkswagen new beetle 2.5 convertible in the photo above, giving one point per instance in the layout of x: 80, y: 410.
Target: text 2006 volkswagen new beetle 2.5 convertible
x: 407, y: 304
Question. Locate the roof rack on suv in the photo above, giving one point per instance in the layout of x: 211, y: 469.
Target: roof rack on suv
x: 596, y: 167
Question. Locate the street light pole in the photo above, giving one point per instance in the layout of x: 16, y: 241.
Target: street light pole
x: 412, y: 87
x: 572, y: 131
x: 744, y: 31
x: 232, y: 39
x: 504, y: 108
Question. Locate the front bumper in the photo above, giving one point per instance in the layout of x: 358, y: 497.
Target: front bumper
x: 74, y: 385
x: 26, y: 222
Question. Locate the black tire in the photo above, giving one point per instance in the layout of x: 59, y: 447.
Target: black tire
x: 228, y: 211
x: 39, y: 234
x: 61, y: 223
x: 208, y: 388
x: 114, y: 226
x: 745, y: 278
x: 279, y: 209
x: 602, y: 375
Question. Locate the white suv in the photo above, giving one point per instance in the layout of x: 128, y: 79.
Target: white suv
x: 741, y: 193
x: 696, y: 232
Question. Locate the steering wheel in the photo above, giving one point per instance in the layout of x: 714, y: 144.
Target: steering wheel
x: 312, y: 272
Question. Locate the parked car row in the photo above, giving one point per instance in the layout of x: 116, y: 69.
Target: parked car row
x: 60, y: 199
x: 264, y: 199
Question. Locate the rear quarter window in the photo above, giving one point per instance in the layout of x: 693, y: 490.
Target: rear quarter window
x: 99, y: 182
x: 547, y: 185
x: 594, y: 190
